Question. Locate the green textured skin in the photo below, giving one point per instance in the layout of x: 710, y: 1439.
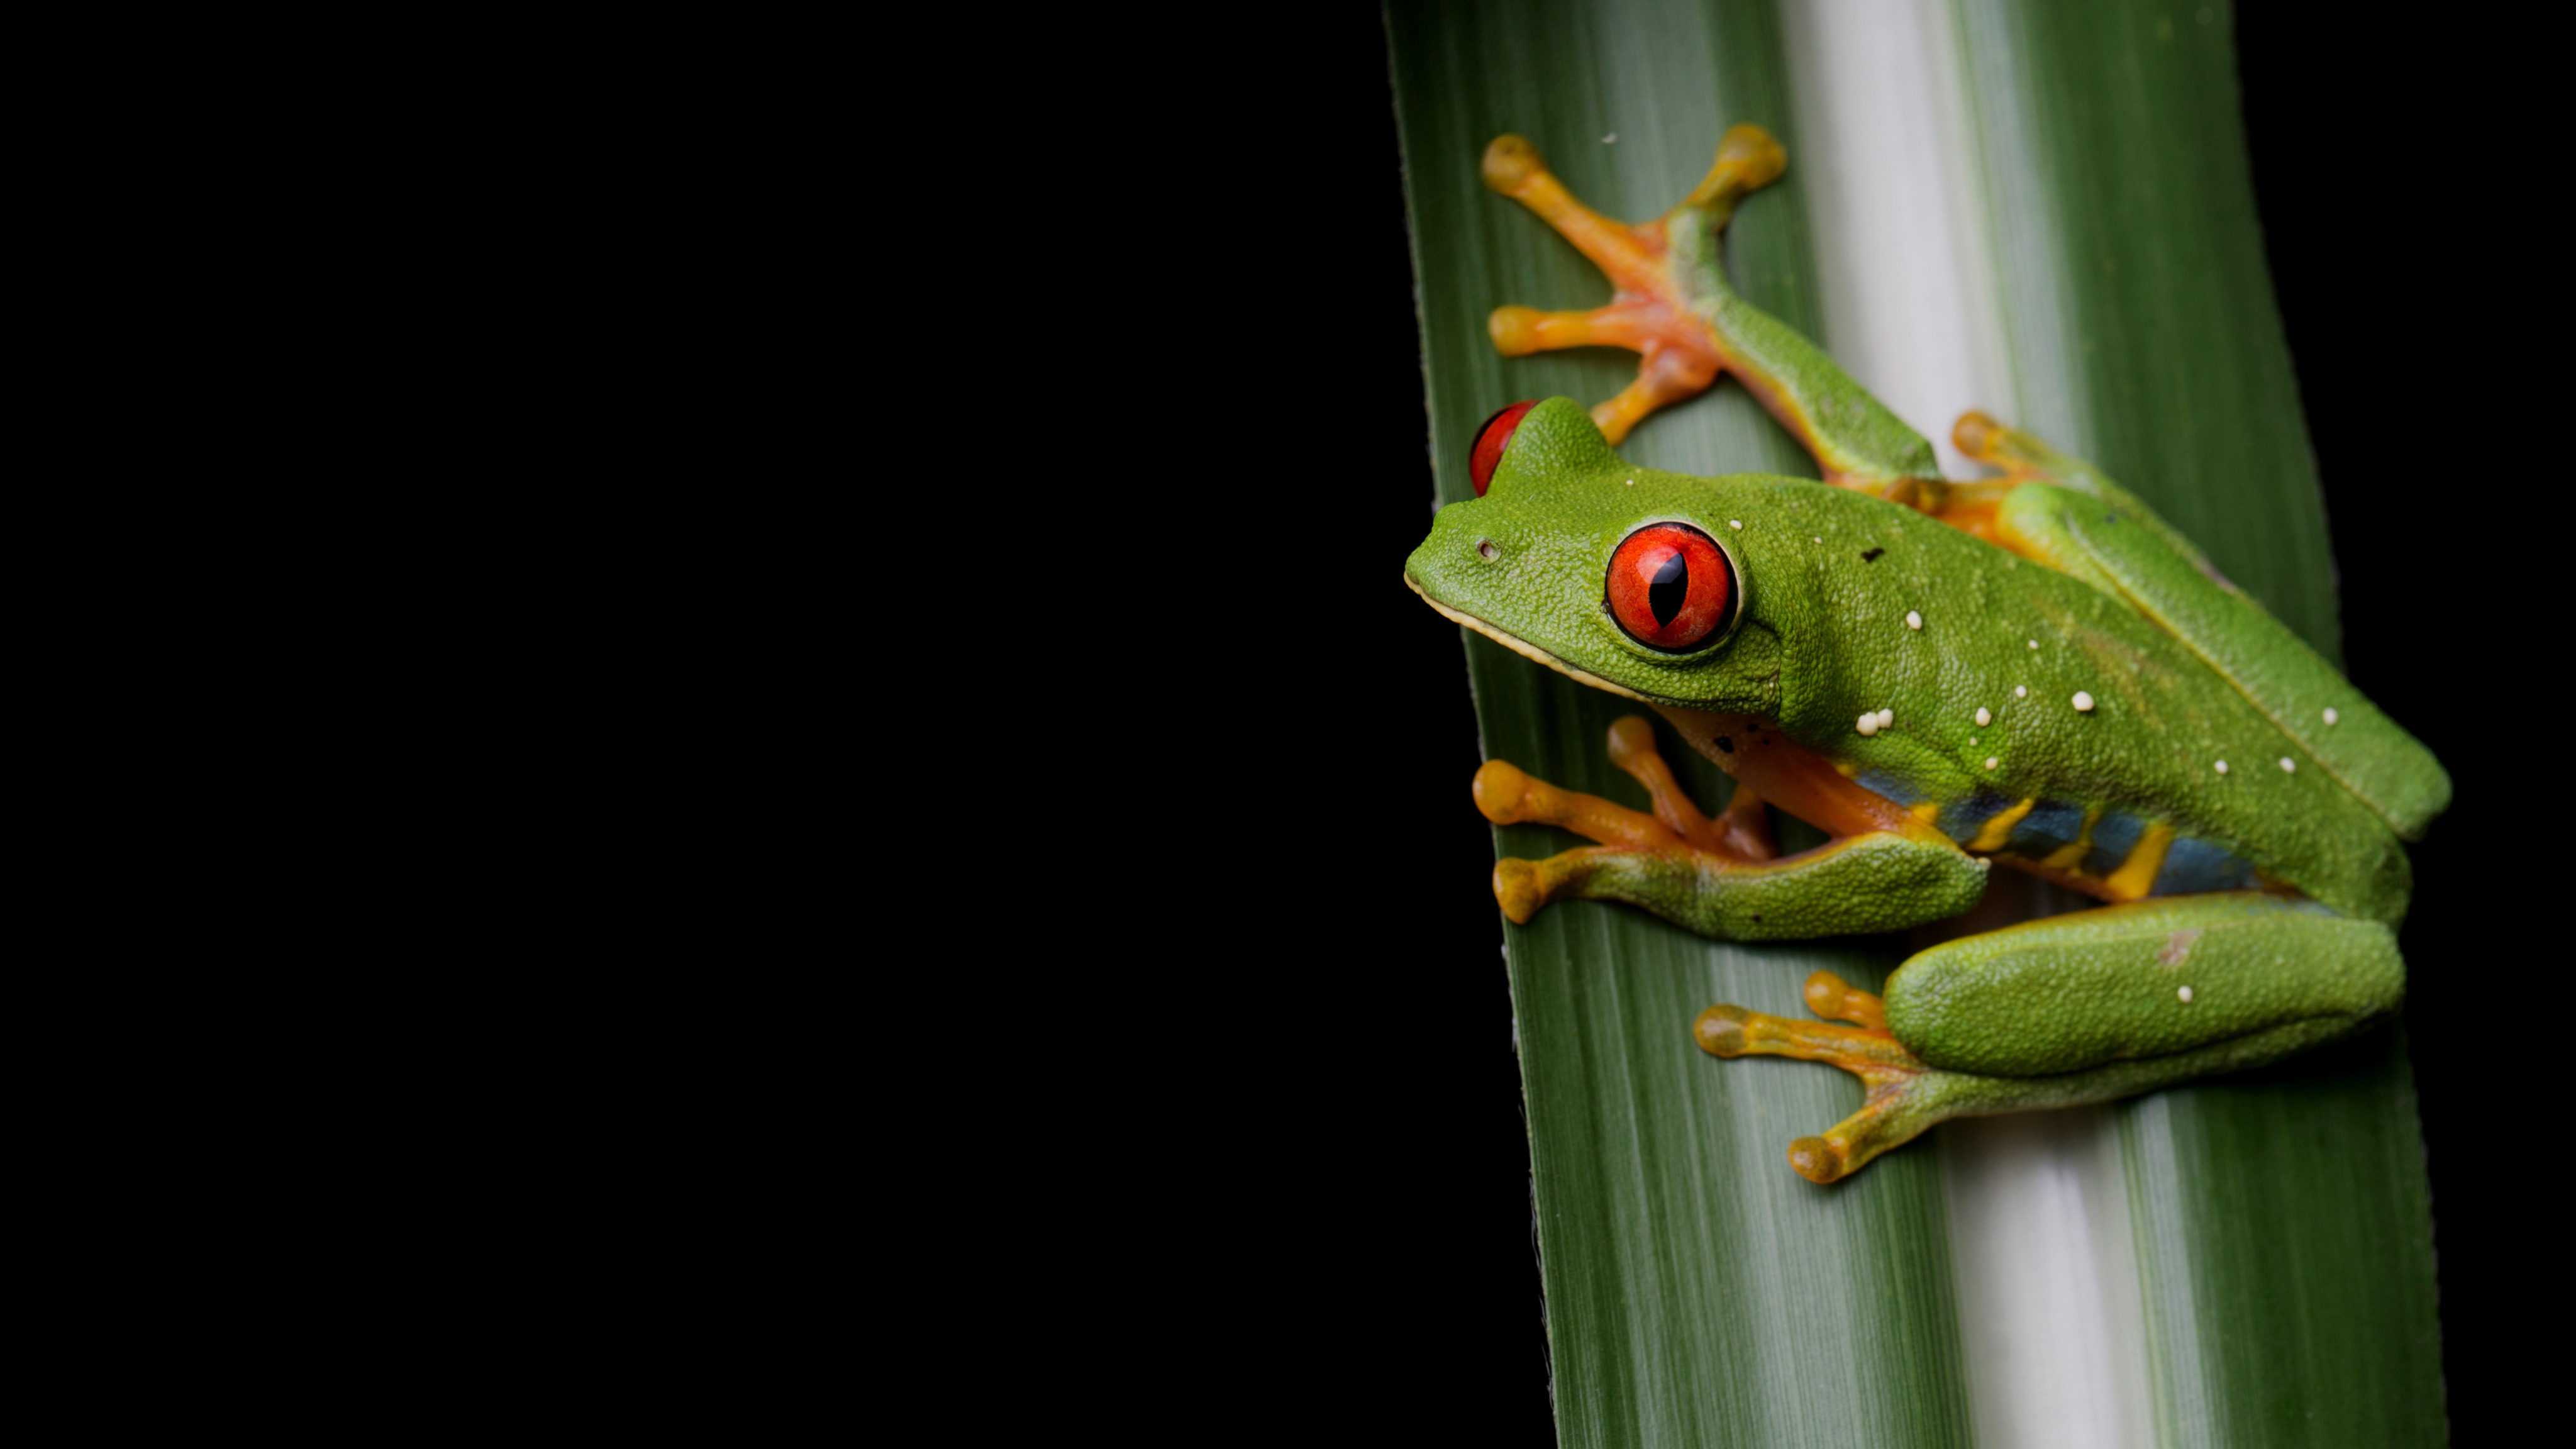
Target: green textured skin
x: 2081, y: 991
x: 1861, y: 438
x: 1938, y: 1095
x: 2275, y: 670
x: 1866, y: 883
x: 1823, y: 639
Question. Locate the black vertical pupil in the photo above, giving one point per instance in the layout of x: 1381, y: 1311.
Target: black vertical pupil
x: 1670, y: 588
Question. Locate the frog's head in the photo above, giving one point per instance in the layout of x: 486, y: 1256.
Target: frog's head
x: 1623, y: 577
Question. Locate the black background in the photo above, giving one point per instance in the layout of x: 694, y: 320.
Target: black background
x: 1375, y: 1165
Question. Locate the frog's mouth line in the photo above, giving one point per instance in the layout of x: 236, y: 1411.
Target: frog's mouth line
x: 1526, y: 648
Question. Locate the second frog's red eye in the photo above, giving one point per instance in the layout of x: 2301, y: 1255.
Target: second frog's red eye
x: 1669, y: 586
x: 1491, y: 440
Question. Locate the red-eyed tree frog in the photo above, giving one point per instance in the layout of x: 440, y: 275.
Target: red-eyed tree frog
x: 2031, y: 670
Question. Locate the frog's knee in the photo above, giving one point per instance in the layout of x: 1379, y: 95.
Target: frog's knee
x: 2128, y: 983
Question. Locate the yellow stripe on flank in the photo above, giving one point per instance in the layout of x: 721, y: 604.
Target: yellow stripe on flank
x: 1999, y: 828
x: 2137, y: 874
x: 1925, y: 814
x: 2069, y: 858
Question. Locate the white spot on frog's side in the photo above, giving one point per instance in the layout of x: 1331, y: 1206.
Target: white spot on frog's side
x: 1985, y: 717
x: 2220, y: 767
x: 1485, y: 546
x: 2288, y: 768
x: 1735, y: 523
x: 2185, y: 993
x: 1913, y: 619
x: 1613, y: 138
x: 1991, y: 762
x: 2083, y: 702
x: 1887, y: 719
x: 1868, y: 724
x: 1820, y: 540
x: 2034, y: 643
x: 2021, y: 691
x: 2331, y: 716
x: 2178, y: 946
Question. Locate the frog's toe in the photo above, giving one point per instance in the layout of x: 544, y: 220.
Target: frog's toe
x: 1507, y: 795
x: 1632, y: 743
x: 1511, y: 161
x: 1517, y: 889
x: 1835, y: 999
x: 1755, y: 153
x: 1515, y: 330
x: 1817, y: 1160
x: 1501, y: 790
x: 1904, y: 1095
x: 1720, y: 1030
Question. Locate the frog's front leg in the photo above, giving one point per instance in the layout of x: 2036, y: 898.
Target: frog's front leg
x: 1680, y: 360
x: 1671, y: 303
x: 1719, y: 877
x: 2074, y: 1009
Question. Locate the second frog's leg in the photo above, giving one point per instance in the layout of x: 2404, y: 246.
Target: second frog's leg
x: 1718, y: 877
x: 2074, y: 1009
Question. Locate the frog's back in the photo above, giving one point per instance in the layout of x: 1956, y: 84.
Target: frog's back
x: 2043, y: 719
x: 2119, y: 546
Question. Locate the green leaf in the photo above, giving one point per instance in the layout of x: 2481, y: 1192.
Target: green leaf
x: 2265, y: 1241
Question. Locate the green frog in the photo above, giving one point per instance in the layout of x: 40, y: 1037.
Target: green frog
x: 2030, y: 670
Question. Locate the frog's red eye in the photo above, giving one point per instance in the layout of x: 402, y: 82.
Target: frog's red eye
x: 1491, y: 440
x: 1669, y: 586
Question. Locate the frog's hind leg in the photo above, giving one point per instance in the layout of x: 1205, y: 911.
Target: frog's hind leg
x: 1974, y: 507
x: 1898, y: 1105
x: 2081, y: 1008
x: 1719, y: 876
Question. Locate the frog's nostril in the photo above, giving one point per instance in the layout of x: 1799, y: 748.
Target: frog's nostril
x: 1486, y: 547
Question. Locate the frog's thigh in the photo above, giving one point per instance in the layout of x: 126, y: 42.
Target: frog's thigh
x: 2149, y: 980
x: 1875, y: 882
x: 2083, y: 1008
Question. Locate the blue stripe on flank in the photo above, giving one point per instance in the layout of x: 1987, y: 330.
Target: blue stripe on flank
x: 2193, y: 865
x: 1962, y: 819
x: 2113, y: 838
x: 2050, y: 825
x: 1879, y: 782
